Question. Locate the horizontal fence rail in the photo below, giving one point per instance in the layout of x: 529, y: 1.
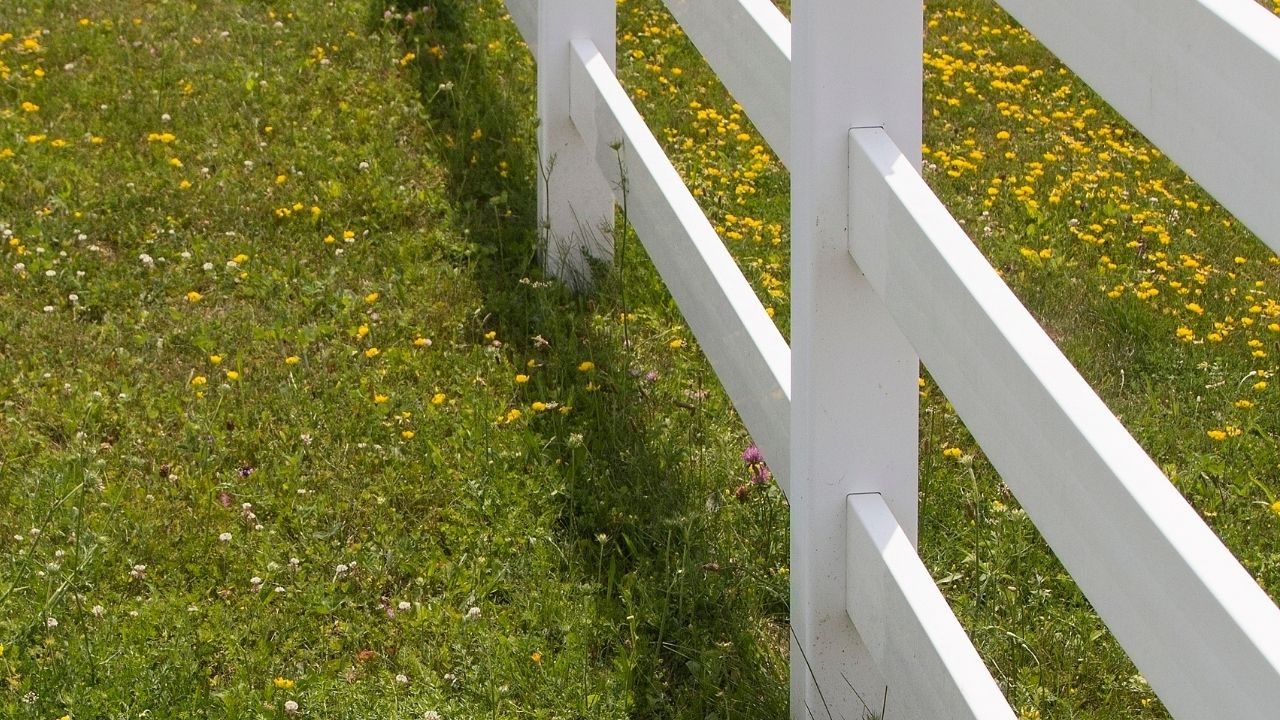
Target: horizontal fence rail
x: 1191, y: 618
x: 1200, y: 78
x: 908, y: 626
x: 744, y: 346
x: 1194, y: 622
x: 748, y: 44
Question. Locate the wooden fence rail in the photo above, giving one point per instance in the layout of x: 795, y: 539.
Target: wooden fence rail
x: 882, y: 278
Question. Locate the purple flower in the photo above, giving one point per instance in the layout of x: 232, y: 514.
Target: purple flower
x: 752, y: 455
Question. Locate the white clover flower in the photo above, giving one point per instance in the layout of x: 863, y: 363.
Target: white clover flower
x: 224, y: 537
x: 402, y: 679
x: 98, y: 611
x: 290, y: 707
x: 51, y: 622
x: 473, y: 614
x: 405, y: 605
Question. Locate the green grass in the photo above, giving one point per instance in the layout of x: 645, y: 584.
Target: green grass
x: 560, y: 463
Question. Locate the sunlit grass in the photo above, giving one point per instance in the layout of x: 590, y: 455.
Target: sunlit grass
x: 288, y: 413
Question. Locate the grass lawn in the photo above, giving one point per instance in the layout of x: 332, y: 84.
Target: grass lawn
x: 291, y: 423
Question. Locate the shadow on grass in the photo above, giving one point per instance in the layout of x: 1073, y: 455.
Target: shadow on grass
x: 636, y: 521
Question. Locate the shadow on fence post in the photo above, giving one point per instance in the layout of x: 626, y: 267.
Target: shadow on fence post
x: 855, y: 63
x: 575, y: 202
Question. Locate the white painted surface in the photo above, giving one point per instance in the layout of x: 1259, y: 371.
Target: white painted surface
x: 524, y: 13
x: 748, y: 44
x: 909, y: 628
x: 1200, y: 78
x: 854, y: 377
x: 745, y: 348
x: 1202, y: 632
x: 575, y: 202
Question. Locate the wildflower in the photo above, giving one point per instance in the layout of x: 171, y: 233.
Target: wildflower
x: 421, y: 342
x: 290, y: 707
x: 362, y: 331
x: 378, y: 399
x: 29, y: 107
x: 538, y: 406
x: 292, y: 360
x: 407, y: 434
x: 513, y: 415
x: 1275, y: 507
x: 1218, y: 435
x: 371, y: 298
x: 199, y: 380
x: 676, y: 344
x: 522, y: 379
x: 951, y: 452
x: 586, y: 366
x: 431, y: 715
x: 194, y: 296
x: 401, y: 678
x: 283, y: 683
x: 438, y: 399
x: 1195, y: 308
x: 536, y: 657
x: 372, y: 352
x: 473, y: 614
x: 215, y: 359
x: 233, y: 375
x: 1244, y: 404
x: 224, y: 537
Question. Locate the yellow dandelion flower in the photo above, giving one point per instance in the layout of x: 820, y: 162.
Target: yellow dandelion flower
x: 952, y: 452
x: 407, y: 434
x: 30, y: 107
x: 438, y: 399
x: 1275, y: 507
x: 372, y: 352
x: 538, y: 406
x: 233, y: 375
x: 421, y: 342
x: 586, y: 366
x: 194, y: 296
x: 292, y: 360
x: 379, y: 399
x: 536, y: 656
x: 1218, y: 435
x: 513, y: 415
x: 239, y: 259
x: 490, y: 335
x: 1195, y: 308
x: 348, y: 234
x: 175, y: 162
x: 199, y: 380
x: 215, y: 359
x: 676, y: 344
x: 522, y: 379
x: 362, y: 331
x: 329, y: 240
x: 372, y: 298
x: 283, y: 683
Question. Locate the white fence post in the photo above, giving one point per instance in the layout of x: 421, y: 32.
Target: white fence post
x: 855, y: 63
x: 575, y: 202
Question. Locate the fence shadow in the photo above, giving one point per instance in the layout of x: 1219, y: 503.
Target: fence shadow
x: 630, y: 523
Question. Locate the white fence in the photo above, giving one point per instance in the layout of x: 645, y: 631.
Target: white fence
x: 882, y: 278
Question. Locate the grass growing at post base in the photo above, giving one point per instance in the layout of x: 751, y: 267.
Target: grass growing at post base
x: 291, y: 425
x: 290, y: 422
